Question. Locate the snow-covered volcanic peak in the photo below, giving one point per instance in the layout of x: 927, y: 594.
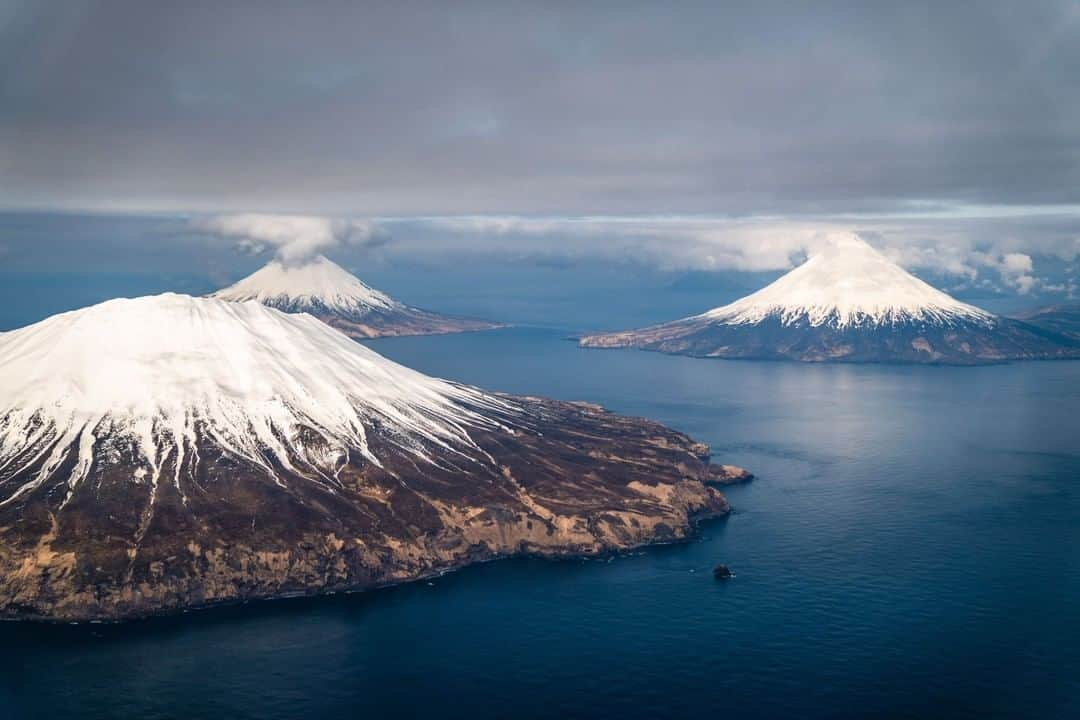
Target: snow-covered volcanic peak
x: 848, y: 283
x: 152, y: 375
x: 317, y: 284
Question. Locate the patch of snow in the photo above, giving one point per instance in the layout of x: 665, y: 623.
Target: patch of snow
x: 317, y: 282
x: 848, y: 283
x: 157, y: 372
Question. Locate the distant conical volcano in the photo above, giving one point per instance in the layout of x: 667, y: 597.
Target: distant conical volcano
x: 848, y: 302
x: 324, y: 289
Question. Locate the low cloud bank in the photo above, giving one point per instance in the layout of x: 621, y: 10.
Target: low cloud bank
x: 992, y: 253
x: 1021, y: 255
x: 294, y: 239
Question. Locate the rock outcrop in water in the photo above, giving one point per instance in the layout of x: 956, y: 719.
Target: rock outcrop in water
x: 166, y: 453
x: 728, y: 475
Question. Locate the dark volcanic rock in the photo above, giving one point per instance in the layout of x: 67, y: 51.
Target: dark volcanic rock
x: 569, y: 479
x: 721, y: 572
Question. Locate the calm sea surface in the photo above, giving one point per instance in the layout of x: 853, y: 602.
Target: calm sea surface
x: 911, y: 548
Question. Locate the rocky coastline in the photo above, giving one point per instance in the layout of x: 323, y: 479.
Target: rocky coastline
x: 579, y: 481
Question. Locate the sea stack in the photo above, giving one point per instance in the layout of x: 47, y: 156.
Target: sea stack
x: 321, y: 287
x: 170, y: 452
x: 849, y: 303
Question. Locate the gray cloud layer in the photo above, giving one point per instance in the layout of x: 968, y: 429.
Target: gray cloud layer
x: 1018, y: 252
x: 1015, y: 252
x: 538, y: 108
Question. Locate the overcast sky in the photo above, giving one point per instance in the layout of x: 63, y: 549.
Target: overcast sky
x: 539, y: 107
x: 801, y: 114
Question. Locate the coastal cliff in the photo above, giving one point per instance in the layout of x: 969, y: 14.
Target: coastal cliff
x: 579, y: 481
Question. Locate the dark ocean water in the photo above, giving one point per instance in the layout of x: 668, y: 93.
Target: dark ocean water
x: 911, y: 548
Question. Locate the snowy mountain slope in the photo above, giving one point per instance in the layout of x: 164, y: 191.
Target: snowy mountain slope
x: 245, y: 376
x: 324, y: 289
x: 848, y: 302
x: 167, y: 452
x: 848, y: 283
x: 315, y: 285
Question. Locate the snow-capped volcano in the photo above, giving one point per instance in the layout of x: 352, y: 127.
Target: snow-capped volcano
x: 158, y: 375
x: 170, y: 451
x: 848, y: 283
x: 847, y: 302
x: 318, y: 284
x: 324, y: 289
